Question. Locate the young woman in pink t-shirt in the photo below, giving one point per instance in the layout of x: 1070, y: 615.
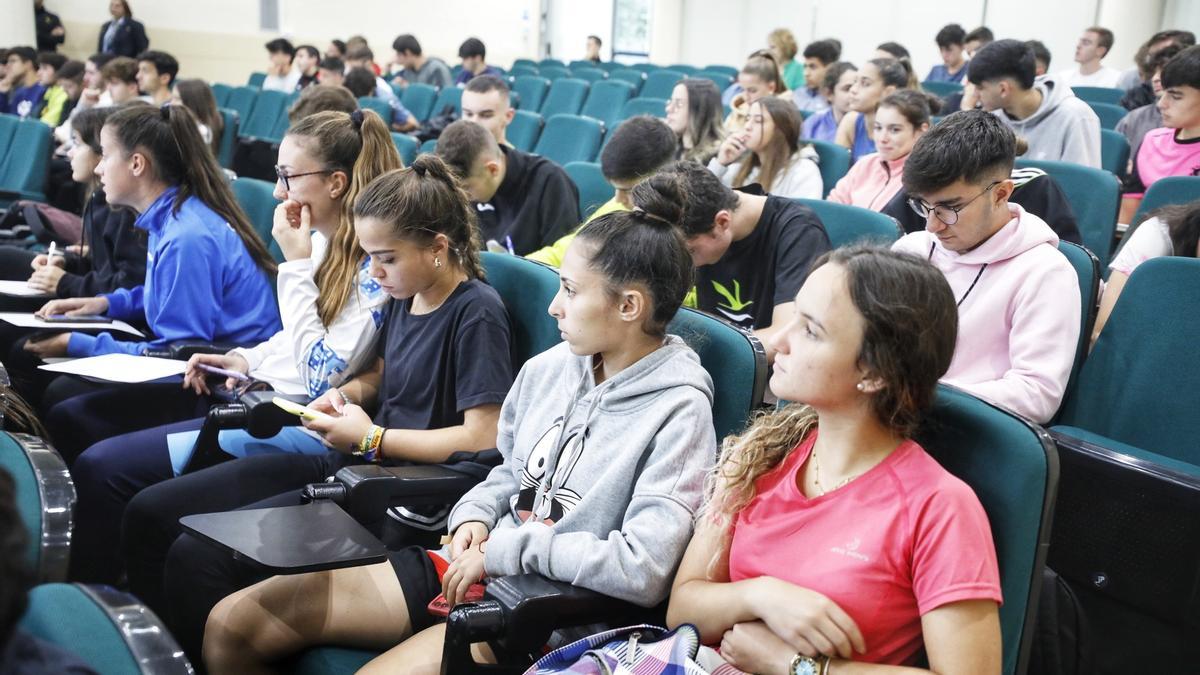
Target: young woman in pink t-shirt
x: 848, y: 550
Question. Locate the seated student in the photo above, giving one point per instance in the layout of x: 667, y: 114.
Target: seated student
x: 977, y: 39
x: 1173, y: 150
x: 20, y: 90
x: 156, y: 75
x: 335, y: 50
x: 950, y: 43
x: 860, y: 358
x: 758, y: 78
x: 876, y: 80
x: 1170, y: 231
x: 94, y: 94
x: 836, y: 87
x: 485, y: 102
x: 1095, y: 43
x: 900, y: 120
x: 55, y: 98
x: 752, y: 250
x: 306, y: 61
x: 319, y: 98
x: 1057, y: 125
x: 474, y: 61
x: 638, y: 148
x: 332, y: 311
x: 417, y: 67
x: 605, y: 440
x: 522, y: 201
x: 1018, y: 297
x: 1140, y: 121
x: 818, y: 56
x: 1041, y: 57
x: 593, y: 49
x: 361, y: 82
x: 1136, y: 82
x: 895, y: 50
x: 332, y: 71
x: 197, y: 96
x: 120, y: 79
x: 363, y: 57
x: 768, y: 152
x: 442, y: 370
x: 782, y: 44
x: 280, y: 74
x: 694, y: 115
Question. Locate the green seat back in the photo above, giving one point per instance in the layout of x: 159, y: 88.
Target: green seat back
x: 554, y: 73
x: 942, y: 89
x: 16, y: 462
x: 330, y: 661
x: 834, y: 162
x: 655, y: 107
x: 646, y: 67
x: 380, y: 106
x: 566, y: 97
x: 257, y: 199
x: 734, y: 360
x: 1012, y: 466
x: 635, y: 77
x: 554, y: 63
x: 1164, y: 191
x: 527, y: 288
x: 846, y: 224
x: 27, y: 162
x: 230, y: 121
x: 256, y: 80
x: 263, y: 119
x: 532, y: 90
x: 685, y: 68
x: 1109, y: 113
x: 594, y: 190
x: 728, y: 70
x: 448, y: 99
x: 221, y: 93
x: 722, y: 80
x: 429, y: 146
x: 523, y: 71
x: 606, y: 100
x: 590, y: 75
x: 1138, y: 384
x: 524, y: 130
x: 529, y: 63
x: 1114, y: 151
x: 242, y: 100
x: 660, y: 83
x: 419, y: 98
x: 1087, y: 269
x: 570, y: 138
x: 406, y: 145
x: 1095, y: 197
x: 66, y: 617
x: 1107, y: 95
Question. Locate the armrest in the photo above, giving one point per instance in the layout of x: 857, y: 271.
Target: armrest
x: 263, y: 418
x: 184, y: 349
x: 366, y: 491
x: 253, y: 411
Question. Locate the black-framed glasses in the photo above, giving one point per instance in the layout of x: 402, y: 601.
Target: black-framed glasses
x: 286, y: 177
x: 946, y: 214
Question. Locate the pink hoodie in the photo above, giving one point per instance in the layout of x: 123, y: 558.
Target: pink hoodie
x: 871, y: 183
x: 1018, y: 328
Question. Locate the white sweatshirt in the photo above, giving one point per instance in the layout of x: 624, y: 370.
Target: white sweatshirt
x: 801, y: 178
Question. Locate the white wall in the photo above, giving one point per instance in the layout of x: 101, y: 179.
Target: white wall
x: 569, y: 22
x: 17, y: 26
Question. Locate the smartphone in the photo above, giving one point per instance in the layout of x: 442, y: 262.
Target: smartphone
x: 298, y: 410
x: 82, y: 318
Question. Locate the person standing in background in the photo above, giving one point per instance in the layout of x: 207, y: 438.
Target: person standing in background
x: 50, y: 31
x: 122, y: 36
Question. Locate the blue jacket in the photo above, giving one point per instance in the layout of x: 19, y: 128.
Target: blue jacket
x: 201, y: 284
x: 10, y: 101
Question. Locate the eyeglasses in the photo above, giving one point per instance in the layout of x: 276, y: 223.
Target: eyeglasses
x: 286, y: 177
x: 946, y: 214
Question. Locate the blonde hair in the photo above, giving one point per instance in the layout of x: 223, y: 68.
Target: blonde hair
x: 772, y: 160
x: 781, y: 39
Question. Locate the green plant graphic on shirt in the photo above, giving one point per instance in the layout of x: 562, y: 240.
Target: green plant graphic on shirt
x: 734, y: 299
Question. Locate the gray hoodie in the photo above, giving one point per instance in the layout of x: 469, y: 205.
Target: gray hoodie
x: 1062, y: 129
x: 599, y: 484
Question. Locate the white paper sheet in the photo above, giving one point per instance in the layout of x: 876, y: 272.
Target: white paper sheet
x: 120, y: 368
x: 21, y: 289
x: 30, y: 321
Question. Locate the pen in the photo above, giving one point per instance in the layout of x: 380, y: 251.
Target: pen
x: 221, y: 371
x: 508, y: 244
x: 52, y: 251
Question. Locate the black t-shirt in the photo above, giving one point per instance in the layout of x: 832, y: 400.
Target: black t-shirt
x: 766, y: 268
x: 438, y: 365
x: 535, y: 206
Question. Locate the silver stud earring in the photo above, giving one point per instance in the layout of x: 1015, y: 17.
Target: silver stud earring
x: 437, y: 262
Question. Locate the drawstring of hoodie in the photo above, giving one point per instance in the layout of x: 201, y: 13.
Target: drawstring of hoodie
x: 969, y: 288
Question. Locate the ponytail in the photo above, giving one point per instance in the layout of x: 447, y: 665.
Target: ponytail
x: 359, y: 145
x: 170, y: 136
x: 421, y: 202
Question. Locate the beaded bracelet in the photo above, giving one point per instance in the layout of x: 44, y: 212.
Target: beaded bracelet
x: 368, y: 447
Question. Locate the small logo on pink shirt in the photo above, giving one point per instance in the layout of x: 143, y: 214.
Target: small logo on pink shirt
x: 850, y: 550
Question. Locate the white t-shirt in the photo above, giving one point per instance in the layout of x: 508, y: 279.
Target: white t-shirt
x: 1150, y: 240
x: 1105, y: 77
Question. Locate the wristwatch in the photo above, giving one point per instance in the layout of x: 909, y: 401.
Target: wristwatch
x: 807, y: 665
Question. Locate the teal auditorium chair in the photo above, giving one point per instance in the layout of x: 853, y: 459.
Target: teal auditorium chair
x: 1095, y: 197
x: 656, y: 107
x: 448, y: 100
x: 722, y: 80
x: 229, y: 132
x: 45, y: 499
x: 524, y: 130
x: 532, y: 90
x: 429, y: 146
x: 646, y: 67
x: 566, y: 97
x: 570, y: 138
x: 942, y: 89
x: 1114, y: 152
x: 847, y: 225
x: 1107, y: 95
x: 521, y: 71
x: 241, y: 99
x: 660, y: 83
x: 1164, y: 191
x: 554, y: 73
x: 834, y: 162
x: 635, y: 77
x: 1108, y: 113
x: 727, y: 70
x: 380, y: 106
x: 405, y: 145
x: 263, y: 121
x: 418, y: 99
x: 1012, y: 466
x: 581, y: 63
x: 256, y: 80
x: 554, y: 63
x: 257, y: 199
x: 594, y: 190
x: 221, y: 93
x: 1087, y: 270
x: 25, y: 162
x: 605, y: 102
x: 687, y: 69
x: 590, y: 75
x: 1127, y: 526
x: 528, y: 63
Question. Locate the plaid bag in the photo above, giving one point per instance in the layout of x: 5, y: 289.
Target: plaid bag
x: 633, y: 650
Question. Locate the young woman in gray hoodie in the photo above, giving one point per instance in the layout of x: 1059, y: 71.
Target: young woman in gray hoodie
x: 606, y: 439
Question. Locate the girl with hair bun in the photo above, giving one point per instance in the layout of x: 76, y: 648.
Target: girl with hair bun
x: 605, y: 440
x: 877, y: 79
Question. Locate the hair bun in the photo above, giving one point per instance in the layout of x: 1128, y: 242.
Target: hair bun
x: 357, y: 118
x: 165, y: 111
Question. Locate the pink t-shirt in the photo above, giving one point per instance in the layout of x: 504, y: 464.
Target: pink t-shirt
x: 1162, y: 155
x: 900, y: 540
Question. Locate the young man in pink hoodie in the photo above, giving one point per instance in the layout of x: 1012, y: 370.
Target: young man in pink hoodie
x: 1018, y: 297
